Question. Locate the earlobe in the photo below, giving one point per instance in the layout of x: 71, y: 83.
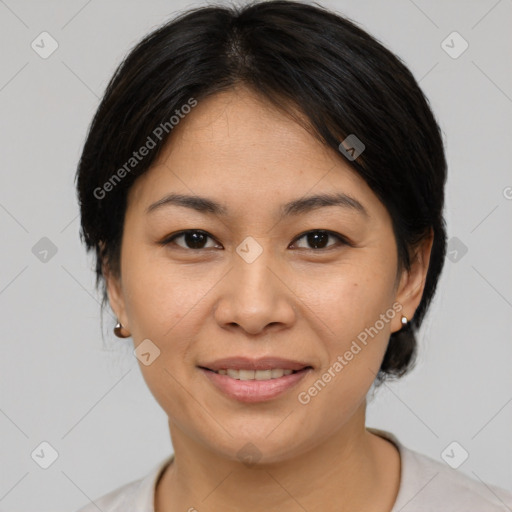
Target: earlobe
x: 402, y: 320
x: 413, y: 281
x: 116, y: 300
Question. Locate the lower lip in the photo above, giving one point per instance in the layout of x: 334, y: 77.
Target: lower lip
x: 254, y: 390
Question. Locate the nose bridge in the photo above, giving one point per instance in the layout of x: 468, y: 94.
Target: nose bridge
x: 254, y: 297
x: 253, y: 281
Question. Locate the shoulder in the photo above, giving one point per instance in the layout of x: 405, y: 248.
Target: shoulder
x: 136, y: 495
x: 114, y: 500
x: 436, y: 486
x: 429, y: 485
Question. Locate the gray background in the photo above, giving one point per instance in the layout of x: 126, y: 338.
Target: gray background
x: 60, y: 384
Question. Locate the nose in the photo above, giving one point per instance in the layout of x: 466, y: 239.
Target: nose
x: 255, y: 297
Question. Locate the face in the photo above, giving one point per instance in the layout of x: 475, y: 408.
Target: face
x: 299, y: 294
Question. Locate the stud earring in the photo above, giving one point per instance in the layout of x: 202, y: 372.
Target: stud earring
x: 120, y: 331
x: 404, y: 321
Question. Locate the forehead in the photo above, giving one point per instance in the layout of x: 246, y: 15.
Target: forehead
x: 237, y: 125
x: 237, y: 147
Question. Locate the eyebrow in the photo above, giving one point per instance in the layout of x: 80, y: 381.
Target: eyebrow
x: 295, y: 207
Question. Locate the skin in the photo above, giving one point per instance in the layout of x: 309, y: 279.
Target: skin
x: 294, y: 301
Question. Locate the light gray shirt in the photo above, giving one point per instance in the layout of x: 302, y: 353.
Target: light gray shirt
x: 426, y: 485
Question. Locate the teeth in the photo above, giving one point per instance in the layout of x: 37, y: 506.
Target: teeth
x: 263, y: 374
x: 233, y: 374
x: 246, y: 374
x: 274, y: 373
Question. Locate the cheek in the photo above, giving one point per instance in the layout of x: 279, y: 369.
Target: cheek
x: 350, y: 303
x: 163, y: 304
x: 159, y: 296
x: 348, y: 298
x: 350, y: 308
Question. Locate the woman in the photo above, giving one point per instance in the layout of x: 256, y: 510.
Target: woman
x: 263, y: 188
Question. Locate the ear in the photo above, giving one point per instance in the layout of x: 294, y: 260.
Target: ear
x: 412, y: 282
x: 116, y: 296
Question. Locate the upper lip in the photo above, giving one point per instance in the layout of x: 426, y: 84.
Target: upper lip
x: 246, y: 363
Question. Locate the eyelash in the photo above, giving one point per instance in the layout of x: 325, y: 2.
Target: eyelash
x: 341, y: 239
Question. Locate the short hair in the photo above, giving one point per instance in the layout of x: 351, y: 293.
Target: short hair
x: 301, y: 58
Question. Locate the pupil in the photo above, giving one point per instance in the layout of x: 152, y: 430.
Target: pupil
x: 195, y: 240
x: 318, y: 240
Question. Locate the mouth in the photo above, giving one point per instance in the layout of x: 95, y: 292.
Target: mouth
x: 254, y: 380
x: 239, y: 374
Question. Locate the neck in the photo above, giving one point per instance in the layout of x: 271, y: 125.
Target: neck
x: 350, y: 470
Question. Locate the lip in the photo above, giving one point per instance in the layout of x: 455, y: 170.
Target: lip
x: 262, y: 363
x: 252, y: 391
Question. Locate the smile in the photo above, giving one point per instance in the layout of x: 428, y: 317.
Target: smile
x: 254, y: 380
x: 274, y: 373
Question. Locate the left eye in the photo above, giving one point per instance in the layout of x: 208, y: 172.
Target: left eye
x: 193, y: 239
x: 319, y: 238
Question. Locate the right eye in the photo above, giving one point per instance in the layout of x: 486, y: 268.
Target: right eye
x: 193, y: 239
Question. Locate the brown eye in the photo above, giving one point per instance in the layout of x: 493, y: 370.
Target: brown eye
x: 319, y: 239
x: 191, y: 239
